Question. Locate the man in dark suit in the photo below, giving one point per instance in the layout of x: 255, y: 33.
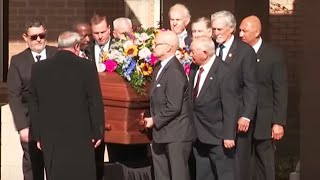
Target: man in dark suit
x: 170, y: 109
x: 242, y: 60
x: 201, y: 27
x: 101, y: 35
x: 179, y: 16
x: 215, y: 107
x: 102, y: 40
x: 66, y: 111
x: 18, y: 87
x: 84, y: 30
x: 272, y: 98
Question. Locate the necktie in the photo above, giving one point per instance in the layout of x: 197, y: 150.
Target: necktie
x: 38, y: 57
x: 196, y: 88
x: 101, y: 54
x: 221, y: 46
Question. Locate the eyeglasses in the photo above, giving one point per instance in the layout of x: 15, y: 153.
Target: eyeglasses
x: 158, y: 44
x: 35, y: 37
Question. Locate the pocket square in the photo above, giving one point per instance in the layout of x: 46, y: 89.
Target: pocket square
x: 158, y: 85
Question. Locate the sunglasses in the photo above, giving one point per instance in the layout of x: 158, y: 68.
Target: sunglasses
x: 35, y: 37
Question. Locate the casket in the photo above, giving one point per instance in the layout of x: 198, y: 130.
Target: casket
x: 122, y: 108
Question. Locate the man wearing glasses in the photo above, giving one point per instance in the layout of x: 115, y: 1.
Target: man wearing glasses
x: 18, y: 86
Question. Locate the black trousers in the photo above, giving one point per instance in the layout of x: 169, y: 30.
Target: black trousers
x: 264, y: 159
x: 99, y: 155
x: 244, y: 153
x: 213, y: 162
x: 32, y: 162
x: 170, y: 160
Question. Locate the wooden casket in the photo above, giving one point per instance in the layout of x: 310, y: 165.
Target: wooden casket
x: 122, y: 108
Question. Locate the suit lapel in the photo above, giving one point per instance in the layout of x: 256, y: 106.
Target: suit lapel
x: 232, y: 52
x: 29, y: 57
x: 209, y: 79
x: 154, y: 75
x: 161, y: 74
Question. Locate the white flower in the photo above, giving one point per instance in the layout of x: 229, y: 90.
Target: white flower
x: 101, y: 67
x: 143, y: 37
x: 144, y: 53
x: 127, y: 43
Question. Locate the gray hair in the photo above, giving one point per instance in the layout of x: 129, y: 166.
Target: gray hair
x: 68, y: 39
x: 182, y: 7
x: 122, y: 21
x: 227, y: 16
x: 205, y: 44
x: 32, y: 23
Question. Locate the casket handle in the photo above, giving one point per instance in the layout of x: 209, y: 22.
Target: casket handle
x: 108, y: 127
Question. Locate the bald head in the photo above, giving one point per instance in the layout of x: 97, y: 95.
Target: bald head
x: 166, y: 44
x: 120, y: 26
x: 250, y: 30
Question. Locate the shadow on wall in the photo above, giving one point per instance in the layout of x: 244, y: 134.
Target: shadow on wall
x: 284, y: 32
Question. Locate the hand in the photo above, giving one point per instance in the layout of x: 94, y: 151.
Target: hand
x: 96, y: 143
x: 39, y: 145
x: 243, y: 124
x: 277, y: 131
x: 149, y: 121
x: 228, y: 143
x: 24, y: 135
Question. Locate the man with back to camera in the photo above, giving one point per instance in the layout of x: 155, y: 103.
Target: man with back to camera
x: 242, y: 61
x: 66, y: 111
x: 272, y: 98
x: 18, y: 88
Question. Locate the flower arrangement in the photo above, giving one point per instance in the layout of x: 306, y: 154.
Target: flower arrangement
x: 183, y: 54
x: 132, y: 57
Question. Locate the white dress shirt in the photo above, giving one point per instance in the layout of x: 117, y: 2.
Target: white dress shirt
x: 226, y: 48
x: 181, y: 37
x: 97, y: 50
x: 206, y: 69
x: 163, y: 63
x: 43, y: 55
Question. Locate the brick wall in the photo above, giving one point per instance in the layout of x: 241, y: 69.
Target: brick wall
x: 284, y: 21
x: 58, y: 15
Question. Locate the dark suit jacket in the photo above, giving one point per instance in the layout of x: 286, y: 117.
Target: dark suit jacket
x: 170, y: 106
x: 216, y: 107
x: 188, y: 40
x: 272, y: 91
x: 66, y: 112
x: 90, y: 50
x: 19, y: 74
x: 243, y: 63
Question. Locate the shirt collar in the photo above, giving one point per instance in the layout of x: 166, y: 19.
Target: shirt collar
x: 43, y: 54
x: 165, y: 62
x: 206, y: 67
x: 183, y: 34
x: 257, y: 46
x: 229, y: 42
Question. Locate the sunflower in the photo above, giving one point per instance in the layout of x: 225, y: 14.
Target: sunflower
x: 131, y: 50
x: 146, y: 69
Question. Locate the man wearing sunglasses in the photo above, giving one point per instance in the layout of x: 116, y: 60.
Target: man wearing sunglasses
x: 18, y: 86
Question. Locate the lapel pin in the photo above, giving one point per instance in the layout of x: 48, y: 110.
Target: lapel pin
x: 230, y: 55
x: 211, y: 78
x: 258, y: 60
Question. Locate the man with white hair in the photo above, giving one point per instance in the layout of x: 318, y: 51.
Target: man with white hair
x: 179, y: 16
x: 66, y: 111
x: 121, y: 26
x: 242, y: 60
